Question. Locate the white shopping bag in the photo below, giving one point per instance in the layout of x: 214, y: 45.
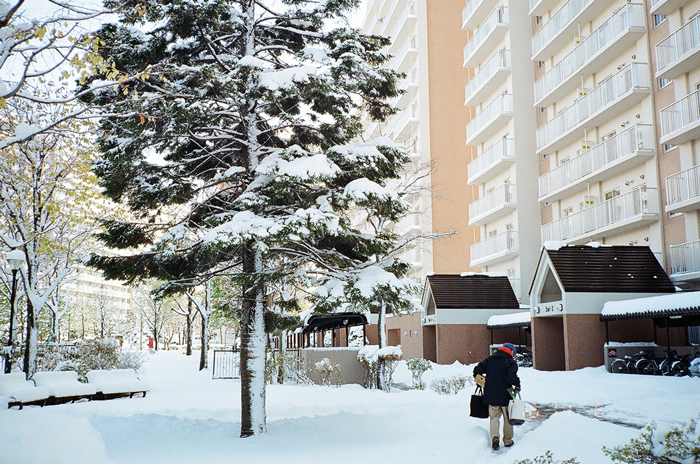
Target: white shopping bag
x: 517, y: 410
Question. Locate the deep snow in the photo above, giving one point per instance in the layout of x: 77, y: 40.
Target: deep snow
x: 189, y: 418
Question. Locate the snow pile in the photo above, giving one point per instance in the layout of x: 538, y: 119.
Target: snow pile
x: 672, y: 301
x: 372, y: 353
x: 362, y: 189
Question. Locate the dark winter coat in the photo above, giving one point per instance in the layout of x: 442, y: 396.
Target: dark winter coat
x: 501, y: 373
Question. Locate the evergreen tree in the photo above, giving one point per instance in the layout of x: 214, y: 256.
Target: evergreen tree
x: 237, y: 134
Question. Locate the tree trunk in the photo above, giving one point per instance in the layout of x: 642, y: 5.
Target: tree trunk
x: 31, y: 343
x: 188, y: 333
x: 252, y: 348
x: 204, y: 355
x: 381, y: 372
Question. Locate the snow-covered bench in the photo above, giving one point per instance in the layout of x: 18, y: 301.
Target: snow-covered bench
x: 63, y: 386
x: 18, y: 391
x: 115, y: 383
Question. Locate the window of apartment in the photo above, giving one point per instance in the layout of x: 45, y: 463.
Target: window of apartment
x: 540, y: 64
x: 668, y: 147
x: 566, y: 212
x: 587, y: 202
x: 538, y: 19
x: 493, y: 233
x: 661, y: 82
x: 657, y: 19
x: 543, y: 109
x: 612, y: 194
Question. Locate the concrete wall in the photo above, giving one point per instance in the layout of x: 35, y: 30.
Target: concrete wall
x: 350, y: 367
x: 407, y: 332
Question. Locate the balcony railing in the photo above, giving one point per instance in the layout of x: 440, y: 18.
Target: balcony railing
x: 494, y: 249
x: 502, y: 105
x: 604, y: 217
x: 500, y: 198
x: 676, y: 46
x: 685, y: 258
x: 633, y: 77
x: 631, y: 15
x: 683, y: 187
x: 474, y: 12
x: 408, y: 12
x: 564, y: 19
x: 598, y: 159
x: 497, y: 18
x: 680, y: 120
x: 498, y: 62
x: 503, y: 150
x: 410, y: 45
x: 666, y: 7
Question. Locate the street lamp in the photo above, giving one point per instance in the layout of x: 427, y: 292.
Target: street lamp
x: 15, y: 258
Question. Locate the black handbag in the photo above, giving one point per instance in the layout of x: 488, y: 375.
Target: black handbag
x: 477, y: 407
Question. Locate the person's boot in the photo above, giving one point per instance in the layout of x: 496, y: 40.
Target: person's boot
x: 494, y: 443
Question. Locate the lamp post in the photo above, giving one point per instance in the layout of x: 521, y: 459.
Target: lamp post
x: 15, y: 258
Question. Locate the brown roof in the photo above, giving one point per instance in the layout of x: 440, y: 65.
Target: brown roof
x: 615, y: 269
x: 472, y: 291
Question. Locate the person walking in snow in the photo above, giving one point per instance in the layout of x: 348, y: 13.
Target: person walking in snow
x: 501, y: 372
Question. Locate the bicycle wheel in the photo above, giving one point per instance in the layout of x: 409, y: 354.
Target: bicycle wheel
x: 679, y: 369
x: 644, y: 366
x: 618, y: 366
x: 665, y: 367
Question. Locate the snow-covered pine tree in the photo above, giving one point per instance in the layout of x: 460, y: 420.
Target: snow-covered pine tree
x: 243, y: 115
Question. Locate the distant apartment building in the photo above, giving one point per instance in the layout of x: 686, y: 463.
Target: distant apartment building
x: 426, y: 44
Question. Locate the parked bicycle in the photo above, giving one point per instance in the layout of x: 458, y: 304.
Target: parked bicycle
x: 643, y: 362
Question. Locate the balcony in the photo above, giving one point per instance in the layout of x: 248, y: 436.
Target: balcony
x: 492, y: 161
x: 616, y: 215
x: 614, y: 95
x: 490, y: 119
x: 502, y: 247
x: 563, y: 25
x: 666, y: 7
x: 405, y: 123
x: 406, y: 55
x: 409, y: 85
x: 683, y: 191
x: 491, y: 32
x: 685, y: 261
x: 615, y: 35
x: 607, y: 159
x: 679, y: 53
x: 405, y: 23
x: 680, y: 121
x: 491, y: 75
x: 539, y: 7
x: 475, y: 12
x: 493, y: 205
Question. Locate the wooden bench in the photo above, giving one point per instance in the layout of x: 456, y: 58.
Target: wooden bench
x: 63, y: 386
x: 18, y: 391
x: 116, y: 383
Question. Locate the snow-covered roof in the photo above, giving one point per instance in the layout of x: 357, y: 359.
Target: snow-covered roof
x: 676, y: 304
x: 519, y: 319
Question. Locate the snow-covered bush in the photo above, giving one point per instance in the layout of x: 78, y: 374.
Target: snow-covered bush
x: 676, y: 445
x: 418, y: 367
x: 370, y: 356
x: 89, y: 355
x: 451, y: 385
x: 329, y: 372
x: 547, y: 458
x: 285, y: 368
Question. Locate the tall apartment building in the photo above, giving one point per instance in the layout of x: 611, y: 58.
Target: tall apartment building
x: 675, y: 44
x: 426, y: 44
x: 505, y: 169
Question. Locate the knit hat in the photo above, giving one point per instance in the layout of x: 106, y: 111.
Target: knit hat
x: 510, y: 346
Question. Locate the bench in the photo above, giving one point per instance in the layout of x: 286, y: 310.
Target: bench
x: 115, y: 383
x: 63, y: 386
x: 18, y: 391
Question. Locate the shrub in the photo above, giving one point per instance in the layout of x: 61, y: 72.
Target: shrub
x: 418, y: 367
x: 285, y: 368
x: 546, y: 458
x: 451, y: 385
x: 370, y: 357
x: 329, y: 372
x: 85, y: 356
x: 678, y: 445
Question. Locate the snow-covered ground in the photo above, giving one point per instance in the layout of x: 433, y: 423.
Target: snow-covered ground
x: 189, y: 418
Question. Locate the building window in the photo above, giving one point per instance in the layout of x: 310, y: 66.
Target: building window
x: 673, y: 214
x: 540, y: 64
x: 657, y: 19
x: 663, y: 82
x: 543, y: 109
x: 668, y: 147
x: 538, y: 19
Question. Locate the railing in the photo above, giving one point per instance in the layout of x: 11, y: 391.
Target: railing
x: 557, y: 22
x: 411, y: 43
x: 504, y: 148
x: 685, y: 258
x: 500, y: 59
x: 226, y: 364
x: 501, y: 104
x: 683, y: 186
x: 502, y: 195
x: 673, y: 47
x: 639, y: 137
x: 631, y: 15
x: 617, y: 209
x: 469, y: 9
x: 505, y: 241
x: 682, y: 113
x: 499, y: 15
x: 632, y: 76
x: 409, y: 10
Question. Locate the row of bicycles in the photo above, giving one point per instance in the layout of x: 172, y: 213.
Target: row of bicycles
x: 644, y: 362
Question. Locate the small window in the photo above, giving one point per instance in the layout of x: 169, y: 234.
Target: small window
x: 543, y: 109
x: 566, y: 212
x: 538, y: 19
x: 657, y: 19
x: 540, y: 64
x: 663, y: 82
x: 673, y: 214
x: 668, y: 147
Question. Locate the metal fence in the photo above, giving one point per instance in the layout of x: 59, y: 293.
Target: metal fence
x: 226, y: 364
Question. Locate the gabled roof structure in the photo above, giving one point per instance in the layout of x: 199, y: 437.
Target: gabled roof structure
x: 469, y: 291
x: 607, y: 269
